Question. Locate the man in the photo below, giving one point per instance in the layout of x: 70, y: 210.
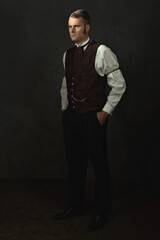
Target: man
x: 85, y: 110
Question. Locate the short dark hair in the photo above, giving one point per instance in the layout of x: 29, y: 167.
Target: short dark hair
x: 83, y: 14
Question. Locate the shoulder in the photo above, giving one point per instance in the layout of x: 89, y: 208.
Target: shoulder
x: 68, y: 52
x: 71, y: 49
x: 104, y: 48
x: 106, y: 52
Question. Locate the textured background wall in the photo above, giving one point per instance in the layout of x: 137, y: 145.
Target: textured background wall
x: 34, y: 36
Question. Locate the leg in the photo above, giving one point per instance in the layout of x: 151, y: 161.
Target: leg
x: 77, y: 159
x: 97, y: 147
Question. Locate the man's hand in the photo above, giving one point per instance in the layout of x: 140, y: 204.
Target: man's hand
x: 102, y: 117
x: 62, y: 110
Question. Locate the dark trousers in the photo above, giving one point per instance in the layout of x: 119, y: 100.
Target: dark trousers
x: 85, y: 139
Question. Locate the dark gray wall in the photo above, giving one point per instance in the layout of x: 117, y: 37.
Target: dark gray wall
x: 34, y: 36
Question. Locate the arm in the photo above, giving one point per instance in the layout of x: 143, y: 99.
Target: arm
x: 117, y: 83
x: 63, y: 90
x: 106, y: 64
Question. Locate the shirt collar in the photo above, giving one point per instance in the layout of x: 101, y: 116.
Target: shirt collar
x: 83, y: 43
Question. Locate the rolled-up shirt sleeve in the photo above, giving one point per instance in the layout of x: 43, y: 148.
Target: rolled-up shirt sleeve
x: 106, y: 63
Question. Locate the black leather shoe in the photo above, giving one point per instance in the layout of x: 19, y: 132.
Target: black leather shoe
x: 68, y: 214
x: 98, y: 221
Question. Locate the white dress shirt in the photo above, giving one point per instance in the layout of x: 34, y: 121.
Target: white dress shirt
x: 105, y: 64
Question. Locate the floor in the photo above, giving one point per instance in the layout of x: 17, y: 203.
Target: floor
x: 27, y: 208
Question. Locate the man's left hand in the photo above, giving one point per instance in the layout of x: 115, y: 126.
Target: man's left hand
x: 102, y: 117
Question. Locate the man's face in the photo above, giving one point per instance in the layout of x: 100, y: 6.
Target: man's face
x: 78, y: 30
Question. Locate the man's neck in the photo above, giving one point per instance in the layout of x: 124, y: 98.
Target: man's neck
x: 82, y: 43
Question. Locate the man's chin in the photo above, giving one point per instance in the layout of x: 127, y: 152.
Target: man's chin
x: 73, y: 39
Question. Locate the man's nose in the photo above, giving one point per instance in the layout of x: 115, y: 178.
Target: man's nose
x: 72, y: 29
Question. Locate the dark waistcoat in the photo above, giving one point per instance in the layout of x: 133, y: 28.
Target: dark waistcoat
x: 86, y: 88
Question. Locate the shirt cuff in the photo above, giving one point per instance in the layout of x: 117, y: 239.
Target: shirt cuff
x: 64, y: 106
x: 108, y: 108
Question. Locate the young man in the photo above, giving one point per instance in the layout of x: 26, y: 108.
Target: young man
x: 89, y: 68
